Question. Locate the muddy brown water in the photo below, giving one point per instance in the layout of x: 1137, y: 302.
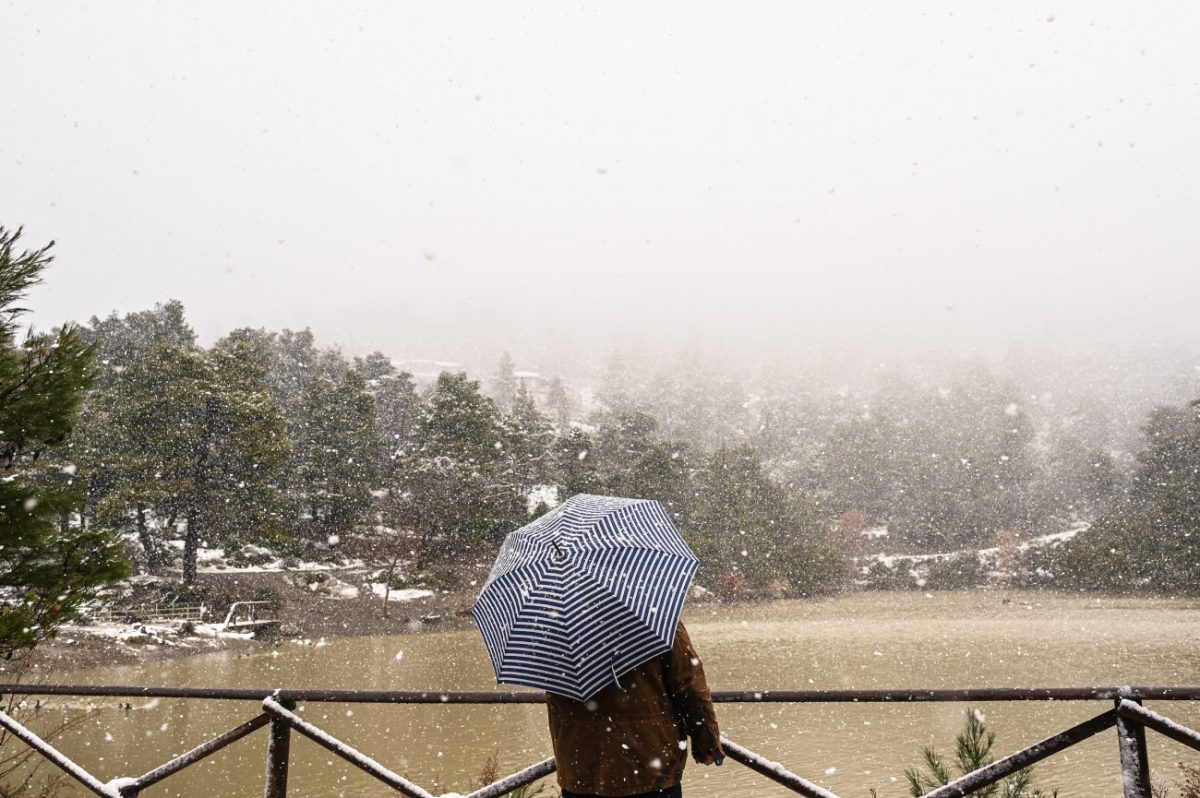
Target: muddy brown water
x: 869, y: 640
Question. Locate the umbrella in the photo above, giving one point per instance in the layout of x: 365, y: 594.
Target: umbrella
x: 583, y: 594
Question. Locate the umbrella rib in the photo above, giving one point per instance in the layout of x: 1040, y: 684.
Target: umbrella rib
x: 526, y: 597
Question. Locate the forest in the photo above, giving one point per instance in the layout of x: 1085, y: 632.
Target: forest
x: 267, y: 443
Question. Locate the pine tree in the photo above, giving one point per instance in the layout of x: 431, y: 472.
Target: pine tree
x: 250, y: 447
x: 49, y: 565
x: 972, y: 751
x: 560, y: 404
x: 398, y: 407
x: 334, y: 461
x: 116, y: 447
x: 461, y: 497
x: 506, y: 384
x: 202, y: 446
x: 528, y: 442
x: 1151, y: 540
x: 329, y: 416
x: 745, y: 521
x: 576, y: 464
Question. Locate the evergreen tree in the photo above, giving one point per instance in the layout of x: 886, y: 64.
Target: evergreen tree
x: 121, y: 341
x: 49, y: 564
x: 398, y: 408
x: 334, y: 460
x: 506, y: 384
x: 576, y: 464
x: 560, y: 404
x: 528, y: 443
x: 745, y: 522
x: 1151, y: 541
x: 628, y: 459
x: 329, y: 415
x: 972, y: 751
x: 250, y: 449
x: 203, y: 446
x: 375, y: 366
x: 857, y: 465
x: 116, y: 450
x: 461, y: 500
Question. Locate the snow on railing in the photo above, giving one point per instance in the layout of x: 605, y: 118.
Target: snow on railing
x: 1128, y: 715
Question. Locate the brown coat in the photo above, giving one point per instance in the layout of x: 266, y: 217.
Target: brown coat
x: 633, y: 740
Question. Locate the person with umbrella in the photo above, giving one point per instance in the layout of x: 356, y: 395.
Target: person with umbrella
x: 584, y: 603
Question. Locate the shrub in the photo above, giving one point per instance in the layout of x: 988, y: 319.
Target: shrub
x: 955, y: 573
x: 731, y: 584
x: 973, y: 750
x: 881, y: 576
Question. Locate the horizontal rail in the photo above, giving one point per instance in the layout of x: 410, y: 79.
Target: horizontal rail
x: 533, y: 697
x: 1128, y: 715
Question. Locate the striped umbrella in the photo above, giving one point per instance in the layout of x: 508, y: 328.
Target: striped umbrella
x: 583, y: 594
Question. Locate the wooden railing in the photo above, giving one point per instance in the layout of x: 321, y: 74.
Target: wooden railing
x: 1127, y: 714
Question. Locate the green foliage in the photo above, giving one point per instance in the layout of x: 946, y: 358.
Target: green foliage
x: 946, y: 470
x: 329, y: 417
x: 898, y: 576
x: 744, y: 520
x: 333, y: 464
x: 505, y: 384
x: 176, y: 434
x: 438, y: 579
x: 271, y: 596
x: 957, y: 572
x: 461, y: 495
x: 972, y: 751
x: 528, y: 443
x: 577, y: 465
x: 1150, y: 541
x: 49, y: 564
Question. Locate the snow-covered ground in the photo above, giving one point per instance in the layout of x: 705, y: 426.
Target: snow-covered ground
x: 216, y: 561
x: 890, y: 560
x: 403, y: 594
x: 147, y: 625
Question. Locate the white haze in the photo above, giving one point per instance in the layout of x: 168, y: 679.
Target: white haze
x: 449, y: 180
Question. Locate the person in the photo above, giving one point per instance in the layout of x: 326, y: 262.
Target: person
x: 630, y: 739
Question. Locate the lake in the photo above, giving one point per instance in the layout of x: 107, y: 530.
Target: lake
x: 854, y: 641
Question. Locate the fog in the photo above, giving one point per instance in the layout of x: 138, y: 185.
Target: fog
x: 453, y: 181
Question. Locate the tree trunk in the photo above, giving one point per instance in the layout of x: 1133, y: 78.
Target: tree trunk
x: 149, y: 544
x: 191, y: 545
x: 387, y: 584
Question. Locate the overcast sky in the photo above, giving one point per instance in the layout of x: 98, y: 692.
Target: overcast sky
x: 436, y: 178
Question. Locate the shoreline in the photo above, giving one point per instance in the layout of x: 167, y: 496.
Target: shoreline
x: 304, y: 613
x: 307, y: 614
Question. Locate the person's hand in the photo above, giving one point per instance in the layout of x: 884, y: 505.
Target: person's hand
x: 713, y: 757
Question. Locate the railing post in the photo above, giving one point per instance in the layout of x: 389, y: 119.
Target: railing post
x: 278, y: 748
x: 1131, y: 738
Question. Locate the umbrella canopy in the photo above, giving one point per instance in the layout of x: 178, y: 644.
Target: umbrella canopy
x: 583, y: 594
